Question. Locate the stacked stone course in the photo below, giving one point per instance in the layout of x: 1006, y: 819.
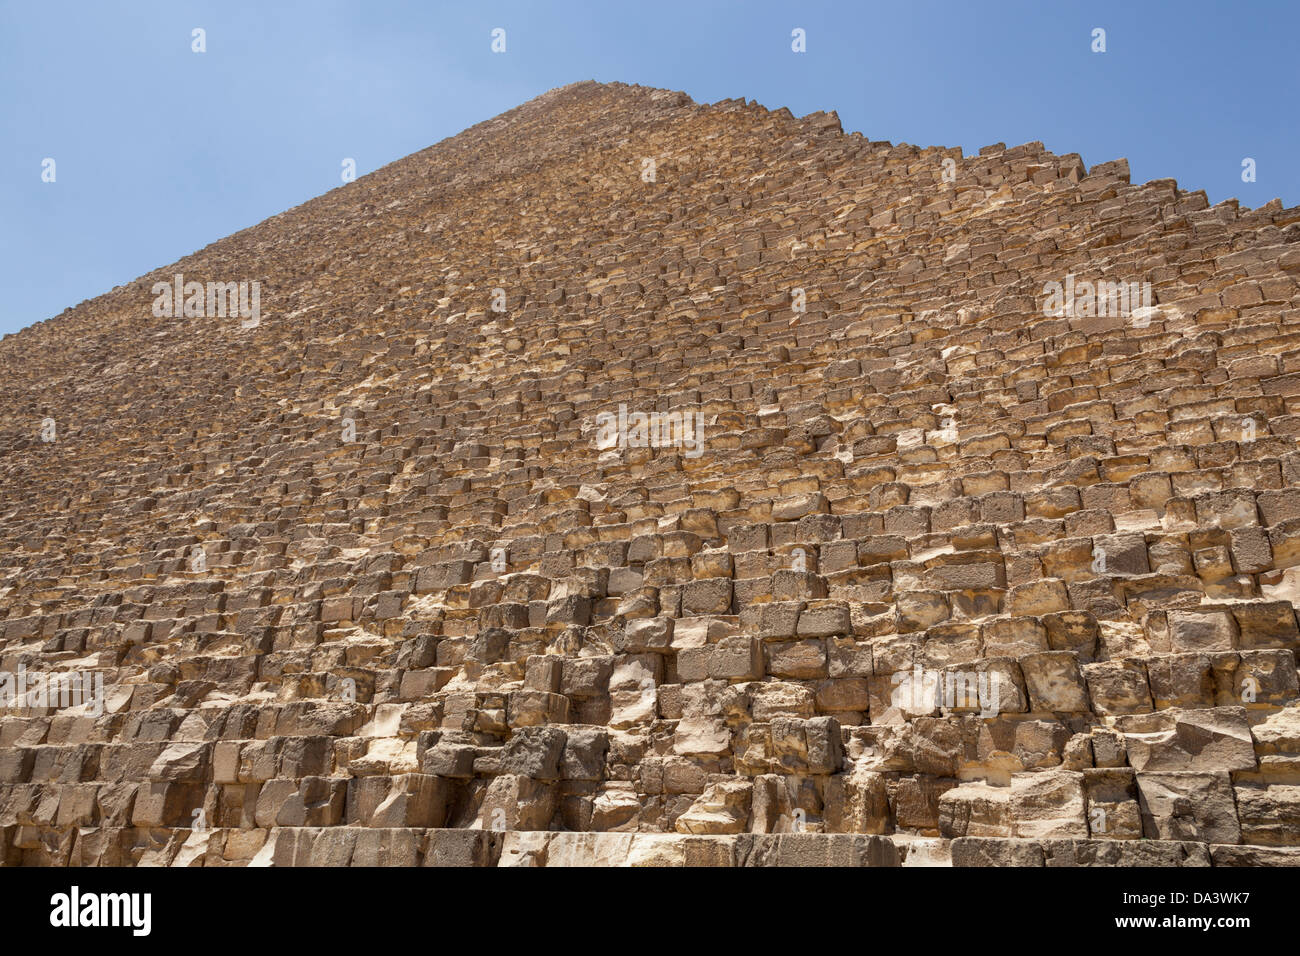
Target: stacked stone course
x: 472, y: 636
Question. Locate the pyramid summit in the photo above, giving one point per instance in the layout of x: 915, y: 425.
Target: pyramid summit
x: 631, y: 480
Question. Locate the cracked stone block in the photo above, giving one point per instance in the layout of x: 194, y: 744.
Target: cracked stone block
x: 1188, y: 806
x: 1210, y: 739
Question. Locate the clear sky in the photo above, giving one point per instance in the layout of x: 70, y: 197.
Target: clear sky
x: 159, y: 150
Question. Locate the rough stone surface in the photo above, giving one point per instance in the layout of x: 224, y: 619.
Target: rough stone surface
x: 938, y: 575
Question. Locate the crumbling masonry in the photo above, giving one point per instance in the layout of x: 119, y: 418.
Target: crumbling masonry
x: 363, y: 586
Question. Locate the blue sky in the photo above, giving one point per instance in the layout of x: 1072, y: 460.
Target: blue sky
x: 160, y: 151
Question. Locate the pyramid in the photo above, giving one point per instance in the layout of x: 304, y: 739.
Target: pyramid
x: 626, y: 480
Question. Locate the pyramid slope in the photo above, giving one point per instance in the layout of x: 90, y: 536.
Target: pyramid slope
x: 433, y: 598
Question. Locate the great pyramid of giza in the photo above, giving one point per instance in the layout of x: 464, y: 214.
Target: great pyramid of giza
x: 629, y: 480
